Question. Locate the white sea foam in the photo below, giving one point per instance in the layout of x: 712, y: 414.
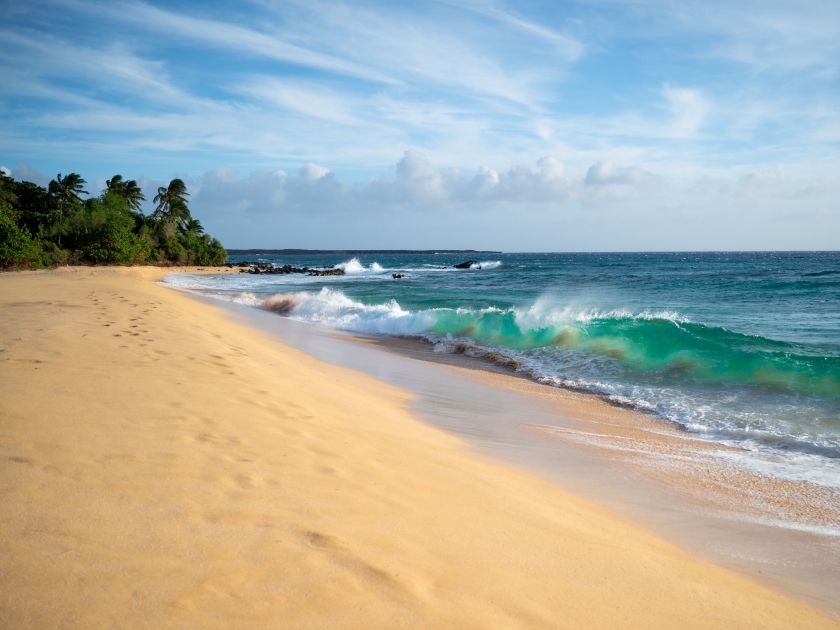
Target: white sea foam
x: 547, y: 312
x: 332, y: 308
x: 354, y: 267
x: 487, y: 265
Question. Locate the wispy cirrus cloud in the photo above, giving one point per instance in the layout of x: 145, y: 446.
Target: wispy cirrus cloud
x: 217, y: 34
x: 657, y: 103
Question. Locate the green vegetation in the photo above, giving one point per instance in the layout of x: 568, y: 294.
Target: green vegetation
x: 47, y: 227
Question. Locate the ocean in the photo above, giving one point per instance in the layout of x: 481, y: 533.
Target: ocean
x: 738, y: 348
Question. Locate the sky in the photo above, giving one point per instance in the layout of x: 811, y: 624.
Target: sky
x: 603, y: 125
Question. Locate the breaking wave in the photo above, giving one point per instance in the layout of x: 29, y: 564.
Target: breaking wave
x: 605, y: 352
x: 662, y: 343
x: 354, y: 267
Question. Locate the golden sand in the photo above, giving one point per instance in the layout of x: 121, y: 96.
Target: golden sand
x: 163, y: 467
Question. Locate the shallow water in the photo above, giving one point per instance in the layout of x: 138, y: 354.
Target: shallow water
x: 798, y: 561
x: 741, y: 348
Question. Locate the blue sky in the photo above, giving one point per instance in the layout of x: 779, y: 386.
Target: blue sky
x: 604, y: 125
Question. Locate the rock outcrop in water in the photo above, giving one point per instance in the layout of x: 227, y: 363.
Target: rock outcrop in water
x: 270, y: 269
x: 328, y: 272
x: 466, y: 265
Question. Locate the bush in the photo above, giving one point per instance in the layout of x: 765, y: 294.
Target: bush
x: 17, y: 248
x: 113, y: 244
x: 203, y: 250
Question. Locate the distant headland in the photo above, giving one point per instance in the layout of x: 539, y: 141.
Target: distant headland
x: 354, y: 252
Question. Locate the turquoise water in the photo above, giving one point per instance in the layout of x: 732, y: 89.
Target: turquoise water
x: 743, y: 348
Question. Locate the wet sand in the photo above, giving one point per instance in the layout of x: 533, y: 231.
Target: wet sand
x: 163, y: 466
x: 687, y: 489
x: 704, y: 469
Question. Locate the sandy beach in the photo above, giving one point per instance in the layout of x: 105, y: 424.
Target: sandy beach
x: 163, y: 466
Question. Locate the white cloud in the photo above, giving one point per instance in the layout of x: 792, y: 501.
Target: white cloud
x: 517, y: 208
x: 312, y: 171
x: 414, y: 184
x: 417, y: 181
x: 313, y: 188
x: 6, y: 171
x: 688, y: 108
x: 570, y: 47
x: 460, y: 55
x: 607, y: 183
x: 307, y: 99
x: 764, y: 34
x: 217, y: 34
x: 775, y: 34
x: 606, y: 173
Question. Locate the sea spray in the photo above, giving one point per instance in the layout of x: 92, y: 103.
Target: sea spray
x: 333, y: 308
x: 354, y: 267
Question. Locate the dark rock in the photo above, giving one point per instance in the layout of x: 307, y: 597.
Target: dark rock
x: 466, y: 265
x: 269, y: 268
x: 397, y: 276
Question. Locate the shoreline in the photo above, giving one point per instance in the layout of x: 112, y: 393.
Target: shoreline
x: 782, y: 533
x: 168, y: 467
x: 647, y: 436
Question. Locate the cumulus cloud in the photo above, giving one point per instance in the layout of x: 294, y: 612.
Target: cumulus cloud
x: 604, y: 181
x: 312, y: 171
x: 415, y: 183
x: 312, y: 188
x: 6, y: 171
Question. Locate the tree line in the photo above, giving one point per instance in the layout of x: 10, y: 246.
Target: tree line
x: 44, y: 227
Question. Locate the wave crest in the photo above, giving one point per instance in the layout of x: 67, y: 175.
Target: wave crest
x: 354, y: 267
x: 647, y: 342
x: 487, y: 265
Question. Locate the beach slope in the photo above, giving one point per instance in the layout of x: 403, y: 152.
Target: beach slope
x: 162, y: 467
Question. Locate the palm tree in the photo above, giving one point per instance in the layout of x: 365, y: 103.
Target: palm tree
x: 114, y: 184
x: 172, y: 205
x: 192, y: 226
x: 66, y: 190
x: 128, y: 190
x: 133, y: 195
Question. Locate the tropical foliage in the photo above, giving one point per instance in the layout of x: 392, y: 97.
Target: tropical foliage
x: 128, y: 190
x: 45, y: 227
